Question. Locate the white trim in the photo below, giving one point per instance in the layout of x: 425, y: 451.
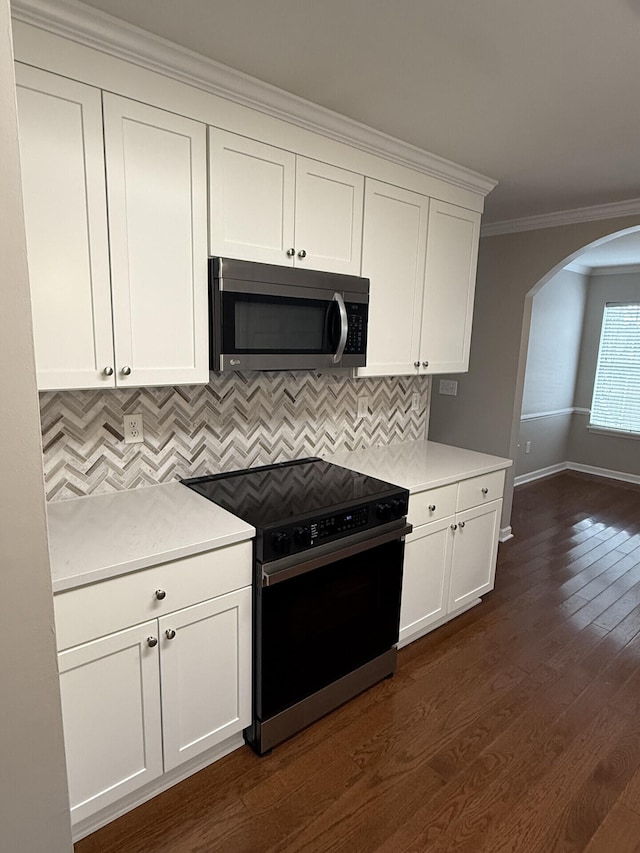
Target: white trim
x: 96, y: 29
x: 630, y: 207
x: 575, y: 466
x: 579, y: 410
x: 604, y: 472
x: 583, y: 269
x: 621, y: 269
x: 540, y: 473
x: 616, y: 433
x: 554, y: 413
x: 505, y: 534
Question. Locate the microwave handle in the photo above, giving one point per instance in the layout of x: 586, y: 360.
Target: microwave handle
x: 344, y: 327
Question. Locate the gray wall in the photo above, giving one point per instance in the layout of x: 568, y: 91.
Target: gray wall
x: 34, y: 811
x: 610, y: 452
x: 557, y: 317
x: 485, y: 415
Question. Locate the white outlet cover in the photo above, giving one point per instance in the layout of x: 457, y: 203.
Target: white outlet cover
x: 363, y: 407
x: 133, y: 428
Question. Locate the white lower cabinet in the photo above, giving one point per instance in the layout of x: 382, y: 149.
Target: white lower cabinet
x: 449, y: 561
x: 140, y: 701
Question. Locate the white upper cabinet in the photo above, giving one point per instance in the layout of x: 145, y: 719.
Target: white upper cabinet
x: 148, y: 297
x: 450, y: 278
x: 269, y: 205
x: 393, y: 258
x: 156, y: 187
x: 61, y: 150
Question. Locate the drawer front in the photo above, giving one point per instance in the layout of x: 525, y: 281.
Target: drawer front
x: 480, y: 490
x: 443, y: 501
x: 92, y: 611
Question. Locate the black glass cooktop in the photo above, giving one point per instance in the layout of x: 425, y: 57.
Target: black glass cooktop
x: 280, y: 494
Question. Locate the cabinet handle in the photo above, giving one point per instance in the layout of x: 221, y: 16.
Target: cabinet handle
x: 152, y: 641
x: 290, y: 253
x: 454, y: 526
x: 425, y: 364
x: 462, y: 524
x: 108, y: 371
x: 416, y: 364
x: 160, y: 594
x: 169, y: 633
x: 432, y: 507
x: 302, y: 253
x: 485, y: 491
x: 126, y: 371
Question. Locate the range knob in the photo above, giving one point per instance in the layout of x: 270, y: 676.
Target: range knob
x: 302, y: 536
x: 399, y: 507
x: 383, y: 511
x: 281, y: 543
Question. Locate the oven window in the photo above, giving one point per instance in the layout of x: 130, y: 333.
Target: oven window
x: 265, y: 324
x: 317, y: 627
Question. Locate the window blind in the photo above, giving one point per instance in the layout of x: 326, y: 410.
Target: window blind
x: 616, y: 391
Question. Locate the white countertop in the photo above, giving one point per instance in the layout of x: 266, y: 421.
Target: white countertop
x: 102, y: 536
x: 419, y: 465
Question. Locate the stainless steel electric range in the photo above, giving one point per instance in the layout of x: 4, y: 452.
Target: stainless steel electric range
x: 328, y: 563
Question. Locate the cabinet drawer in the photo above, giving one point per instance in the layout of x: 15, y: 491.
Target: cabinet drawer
x: 92, y: 611
x: 442, y: 499
x: 480, y: 490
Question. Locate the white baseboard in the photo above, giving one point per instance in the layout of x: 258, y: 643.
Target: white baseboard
x: 540, y: 473
x: 575, y: 466
x: 604, y: 472
x: 505, y: 534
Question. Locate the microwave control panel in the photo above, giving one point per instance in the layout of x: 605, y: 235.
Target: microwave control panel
x: 357, y: 328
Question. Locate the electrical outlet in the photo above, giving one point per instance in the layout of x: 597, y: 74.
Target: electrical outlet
x: 363, y: 407
x: 527, y: 447
x: 133, y: 428
x: 449, y: 387
x: 415, y: 402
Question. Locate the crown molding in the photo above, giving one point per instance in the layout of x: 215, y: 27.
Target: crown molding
x: 95, y: 29
x: 583, y: 269
x: 621, y: 269
x: 563, y: 217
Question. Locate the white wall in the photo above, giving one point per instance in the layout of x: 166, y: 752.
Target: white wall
x: 34, y: 811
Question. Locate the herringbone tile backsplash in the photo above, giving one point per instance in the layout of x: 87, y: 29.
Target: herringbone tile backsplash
x: 236, y: 421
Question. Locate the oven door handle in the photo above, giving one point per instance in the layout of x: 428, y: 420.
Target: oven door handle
x: 344, y: 327
x: 275, y: 572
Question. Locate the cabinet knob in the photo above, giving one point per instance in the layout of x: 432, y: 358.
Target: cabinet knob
x: 302, y: 253
x: 432, y: 507
x: 290, y: 253
x: 416, y: 364
x: 126, y: 371
x: 160, y: 594
x: 108, y: 371
x: 169, y: 633
x: 485, y: 491
x: 152, y: 641
x: 425, y: 364
x: 462, y: 524
x: 454, y: 526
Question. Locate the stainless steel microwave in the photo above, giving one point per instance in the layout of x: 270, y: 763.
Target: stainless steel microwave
x: 268, y: 317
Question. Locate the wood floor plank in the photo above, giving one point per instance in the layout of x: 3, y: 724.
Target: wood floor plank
x: 516, y: 727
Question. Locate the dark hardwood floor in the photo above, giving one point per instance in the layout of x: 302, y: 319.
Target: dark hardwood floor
x: 516, y: 727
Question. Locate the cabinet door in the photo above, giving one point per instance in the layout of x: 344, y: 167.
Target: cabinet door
x: 156, y: 184
x: 111, y: 714
x: 328, y: 226
x: 475, y: 548
x: 450, y: 280
x: 65, y: 206
x: 206, y: 674
x: 425, y: 579
x: 251, y: 199
x: 393, y: 257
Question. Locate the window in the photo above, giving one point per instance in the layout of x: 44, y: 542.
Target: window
x: 616, y: 390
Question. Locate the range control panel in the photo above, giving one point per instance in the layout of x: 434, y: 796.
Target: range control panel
x: 306, y: 534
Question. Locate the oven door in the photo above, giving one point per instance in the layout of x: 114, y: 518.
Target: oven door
x: 326, y: 616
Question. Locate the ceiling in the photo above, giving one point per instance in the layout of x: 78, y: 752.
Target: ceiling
x: 538, y: 95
